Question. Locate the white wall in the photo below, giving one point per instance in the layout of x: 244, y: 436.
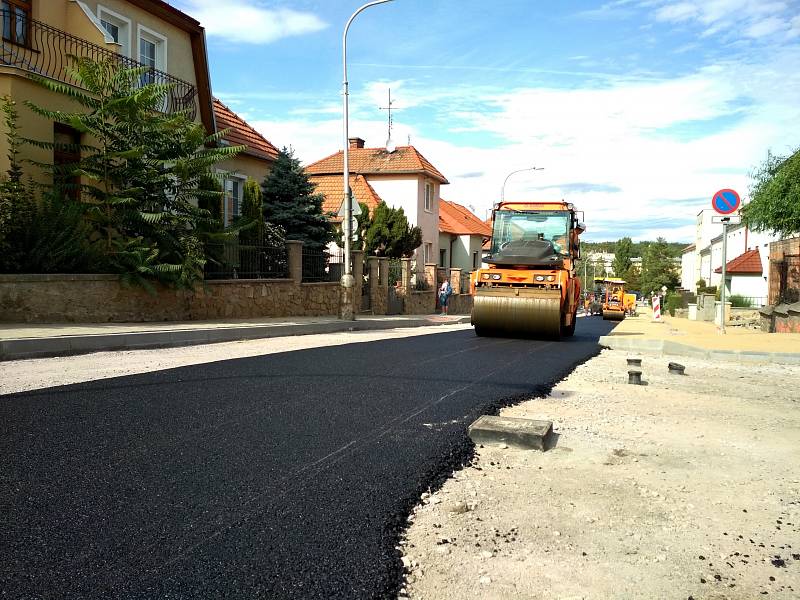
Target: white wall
x: 689, y: 271
x: 408, y: 192
x: 752, y: 286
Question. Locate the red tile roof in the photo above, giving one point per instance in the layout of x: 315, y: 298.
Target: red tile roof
x: 330, y: 186
x: 748, y: 263
x: 459, y: 220
x: 241, y: 133
x: 487, y: 245
x: 377, y: 161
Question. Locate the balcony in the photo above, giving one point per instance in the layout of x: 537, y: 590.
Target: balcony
x: 39, y: 48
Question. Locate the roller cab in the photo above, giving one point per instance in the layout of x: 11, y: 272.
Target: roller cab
x: 530, y: 288
x: 614, y: 302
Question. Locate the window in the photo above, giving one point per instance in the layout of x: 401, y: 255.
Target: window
x: 152, y: 52
x: 428, y: 252
x: 16, y: 20
x: 117, y: 27
x: 442, y: 257
x: 232, y: 207
x: 428, y: 196
x: 474, y: 260
x: 66, y: 152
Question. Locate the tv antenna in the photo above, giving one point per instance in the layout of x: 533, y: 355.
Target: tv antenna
x: 390, y: 145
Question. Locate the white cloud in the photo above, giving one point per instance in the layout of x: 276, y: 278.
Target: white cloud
x: 750, y: 18
x: 247, y: 21
x: 631, y: 150
x: 676, y: 12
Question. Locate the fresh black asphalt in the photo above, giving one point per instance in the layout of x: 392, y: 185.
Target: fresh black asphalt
x: 280, y: 476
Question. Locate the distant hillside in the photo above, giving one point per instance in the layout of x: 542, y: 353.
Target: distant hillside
x: 638, y: 247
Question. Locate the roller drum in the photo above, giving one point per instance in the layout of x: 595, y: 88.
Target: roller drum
x: 528, y: 312
x: 613, y: 315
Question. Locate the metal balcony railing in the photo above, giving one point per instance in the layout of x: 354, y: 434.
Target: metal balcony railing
x: 46, y: 51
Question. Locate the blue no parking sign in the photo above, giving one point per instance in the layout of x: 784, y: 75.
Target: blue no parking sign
x: 725, y: 201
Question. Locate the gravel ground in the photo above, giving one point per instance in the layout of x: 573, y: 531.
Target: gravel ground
x: 686, y: 488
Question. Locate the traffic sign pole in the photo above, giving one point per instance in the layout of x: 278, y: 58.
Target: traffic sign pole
x: 725, y: 202
x: 722, y: 293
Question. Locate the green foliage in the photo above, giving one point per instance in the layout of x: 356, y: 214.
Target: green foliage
x: 739, y: 301
x: 252, y: 232
x: 291, y: 203
x: 389, y: 233
x: 637, y: 248
x: 622, y: 256
x: 633, y: 279
x: 362, y: 224
x: 141, y: 172
x: 657, y: 268
x: 674, y: 302
x: 775, y: 196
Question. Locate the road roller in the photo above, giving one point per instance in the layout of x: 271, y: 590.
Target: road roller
x: 530, y: 288
x: 614, y: 302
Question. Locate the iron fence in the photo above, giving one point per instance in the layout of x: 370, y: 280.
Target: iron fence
x: 395, y: 272
x: 42, y: 49
x: 232, y: 260
x: 322, y: 265
x: 739, y: 301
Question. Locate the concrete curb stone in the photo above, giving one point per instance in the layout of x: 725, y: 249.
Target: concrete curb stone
x: 670, y: 348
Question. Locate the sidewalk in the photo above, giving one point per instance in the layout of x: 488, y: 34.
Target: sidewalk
x: 23, y: 340
x: 682, y: 337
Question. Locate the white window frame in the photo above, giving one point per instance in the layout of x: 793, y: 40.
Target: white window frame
x: 226, y: 178
x: 156, y: 38
x: 428, y: 202
x: 125, y: 26
x: 427, y: 250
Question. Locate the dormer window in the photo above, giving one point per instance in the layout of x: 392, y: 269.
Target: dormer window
x: 16, y: 21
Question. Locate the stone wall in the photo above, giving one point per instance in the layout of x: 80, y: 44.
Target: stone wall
x: 102, y: 298
x: 420, y: 302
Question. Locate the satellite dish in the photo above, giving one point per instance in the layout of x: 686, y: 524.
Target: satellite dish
x: 390, y: 146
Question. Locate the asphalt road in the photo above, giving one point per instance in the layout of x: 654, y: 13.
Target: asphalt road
x: 282, y: 476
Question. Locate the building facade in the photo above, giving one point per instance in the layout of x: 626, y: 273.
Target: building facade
x: 403, y: 179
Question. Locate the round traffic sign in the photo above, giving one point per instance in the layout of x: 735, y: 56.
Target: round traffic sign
x: 726, y: 201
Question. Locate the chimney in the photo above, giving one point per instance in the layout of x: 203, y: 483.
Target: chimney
x: 356, y: 143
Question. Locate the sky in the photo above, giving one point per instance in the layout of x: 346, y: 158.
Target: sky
x: 637, y: 111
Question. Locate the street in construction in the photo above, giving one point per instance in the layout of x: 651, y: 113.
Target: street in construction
x: 280, y: 475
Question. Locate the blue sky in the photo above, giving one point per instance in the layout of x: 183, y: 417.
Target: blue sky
x: 638, y: 110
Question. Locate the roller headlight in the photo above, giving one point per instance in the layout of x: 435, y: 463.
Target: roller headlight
x: 540, y: 278
x: 551, y: 278
x: 486, y: 276
x: 496, y: 276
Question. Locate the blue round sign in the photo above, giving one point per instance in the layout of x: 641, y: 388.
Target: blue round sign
x: 726, y: 201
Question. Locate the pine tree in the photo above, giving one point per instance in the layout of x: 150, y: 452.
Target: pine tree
x: 389, y: 233
x: 290, y: 203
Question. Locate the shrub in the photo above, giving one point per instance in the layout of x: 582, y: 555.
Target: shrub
x: 739, y: 301
x: 674, y: 301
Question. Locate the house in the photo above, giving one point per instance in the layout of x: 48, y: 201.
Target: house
x: 255, y: 162
x: 39, y: 36
x: 744, y: 276
x: 461, y: 237
x: 403, y: 179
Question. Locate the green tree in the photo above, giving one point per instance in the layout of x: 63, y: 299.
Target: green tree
x: 389, y: 233
x: 632, y: 279
x: 658, y: 269
x: 140, y: 171
x: 362, y: 223
x: 291, y: 203
x: 622, y: 256
x: 775, y: 196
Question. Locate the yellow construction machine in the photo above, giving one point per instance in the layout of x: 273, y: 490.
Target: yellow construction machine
x: 530, y: 288
x: 614, y: 301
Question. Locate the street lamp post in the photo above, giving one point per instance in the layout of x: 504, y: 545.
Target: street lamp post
x: 348, y: 283
x: 503, y: 189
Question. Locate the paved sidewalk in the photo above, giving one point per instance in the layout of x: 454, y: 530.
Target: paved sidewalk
x: 682, y: 337
x: 22, y: 340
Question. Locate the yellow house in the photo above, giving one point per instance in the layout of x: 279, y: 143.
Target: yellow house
x: 39, y: 36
